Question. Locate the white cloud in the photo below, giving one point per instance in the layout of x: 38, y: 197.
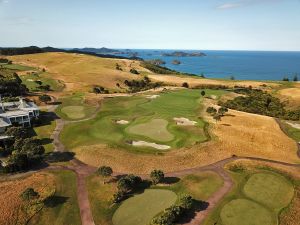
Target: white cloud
x: 241, y: 3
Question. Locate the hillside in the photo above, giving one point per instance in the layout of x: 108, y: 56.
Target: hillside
x: 81, y: 72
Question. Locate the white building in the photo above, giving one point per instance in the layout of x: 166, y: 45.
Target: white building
x: 20, y: 113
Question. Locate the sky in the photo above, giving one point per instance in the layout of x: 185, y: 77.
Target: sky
x: 272, y: 25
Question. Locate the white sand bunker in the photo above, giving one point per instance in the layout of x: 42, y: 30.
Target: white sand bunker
x: 122, y: 122
x: 213, y: 97
x: 152, y: 96
x: 295, y: 125
x: 149, y: 144
x: 30, y: 80
x: 184, y: 122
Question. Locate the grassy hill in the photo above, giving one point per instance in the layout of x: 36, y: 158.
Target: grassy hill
x: 81, y: 72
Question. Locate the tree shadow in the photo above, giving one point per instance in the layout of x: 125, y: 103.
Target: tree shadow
x: 55, y: 103
x: 226, y: 124
x: 198, y: 206
x: 53, y: 157
x: 55, y: 200
x: 45, y: 141
x: 171, y: 180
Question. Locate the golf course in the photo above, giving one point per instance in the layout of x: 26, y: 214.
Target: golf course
x: 148, y: 120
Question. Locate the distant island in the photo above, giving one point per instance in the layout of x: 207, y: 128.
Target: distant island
x: 184, y: 54
x: 176, y: 62
x: 99, y: 50
x: 156, y: 62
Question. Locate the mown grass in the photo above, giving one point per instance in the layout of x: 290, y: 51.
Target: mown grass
x: 240, y: 208
x: 201, y: 186
x: 62, y: 208
x: 68, y: 109
x: 30, y: 81
x: 139, y: 110
x: 16, y: 67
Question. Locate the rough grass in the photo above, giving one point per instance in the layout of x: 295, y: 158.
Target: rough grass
x: 155, y: 129
x: 246, y: 212
x: 29, y: 81
x: 200, y: 186
x: 17, y: 67
x: 62, y: 208
x: 44, y: 131
x: 13, y: 210
x: 272, y: 190
x: 292, y: 214
x: 74, y: 107
x: 141, y: 208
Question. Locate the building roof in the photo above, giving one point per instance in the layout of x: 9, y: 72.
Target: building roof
x: 14, y: 113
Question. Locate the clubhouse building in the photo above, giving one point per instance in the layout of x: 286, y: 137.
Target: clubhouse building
x: 20, y: 113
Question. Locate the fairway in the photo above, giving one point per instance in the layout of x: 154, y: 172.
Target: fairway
x: 74, y: 112
x: 149, y: 120
x: 272, y: 190
x: 156, y: 129
x: 245, y: 212
x: 140, y: 209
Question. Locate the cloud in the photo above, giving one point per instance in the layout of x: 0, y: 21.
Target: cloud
x: 242, y: 3
x: 4, y: 1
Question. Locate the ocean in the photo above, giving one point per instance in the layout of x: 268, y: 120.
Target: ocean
x: 243, y: 65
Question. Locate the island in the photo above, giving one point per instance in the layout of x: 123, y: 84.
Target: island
x: 184, y: 54
x: 176, y: 62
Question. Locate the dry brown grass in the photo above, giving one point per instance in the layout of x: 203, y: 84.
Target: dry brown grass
x: 239, y: 133
x: 291, y: 96
x: 80, y: 72
x: 291, y: 216
x: 13, y: 210
x: 194, y: 81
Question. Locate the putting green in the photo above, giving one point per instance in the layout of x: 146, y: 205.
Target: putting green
x: 155, y: 129
x: 273, y: 190
x: 140, y: 209
x: 74, y: 112
x: 245, y: 212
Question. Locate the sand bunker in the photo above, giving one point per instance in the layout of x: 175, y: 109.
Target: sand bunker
x: 30, y: 80
x: 122, y: 122
x: 149, y: 144
x: 295, y: 125
x: 152, y: 96
x: 184, y: 122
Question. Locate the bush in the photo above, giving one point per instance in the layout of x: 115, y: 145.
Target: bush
x: 29, y: 194
x: 105, y: 171
x: 185, y: 85
x: 211, y: 110
x: 157, y: 176
x: 128, y: 183
x: 134, y: 71
x: 45, y: 98
x: 118, y: 197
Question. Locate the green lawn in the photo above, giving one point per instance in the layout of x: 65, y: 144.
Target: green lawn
x: 62, y: 208
x: 150, y: 120
x: 272, y: 190
x: 44, y: 131
x: 141, y: 208
x: 245, y: 212
x: 74, y: 108
x: 29, y: 81
x: 292, y: 132
x: 256, y: 199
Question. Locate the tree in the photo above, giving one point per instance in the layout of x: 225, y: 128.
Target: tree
x: 185, y: 85
x: 232, y: 78
x: 222, y: 111
x: 295, y: 78
x: 105, y: 171
x: 45, y: 98
x: 17, y: 132
x: 203, y: 93
x: 38, y: 82
x: 128, y: 183
x: 217, y: 117
x: 29, y: 194
x: 285, y: 79
x: 157, y: 176
x: 211, y: 110
x: 186, y: 201
x: 134, y: 71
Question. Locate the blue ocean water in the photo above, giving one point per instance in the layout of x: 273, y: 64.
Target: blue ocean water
x: 243, y: 65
